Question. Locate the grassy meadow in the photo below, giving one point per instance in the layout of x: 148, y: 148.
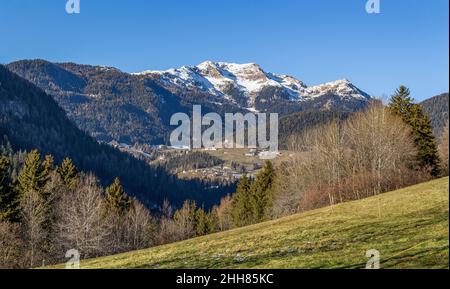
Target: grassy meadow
x: 409, y: 227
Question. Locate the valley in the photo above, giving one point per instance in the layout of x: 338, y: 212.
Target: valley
x: 224, y: 135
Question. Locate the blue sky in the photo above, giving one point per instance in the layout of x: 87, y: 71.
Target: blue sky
x: 314, y: 40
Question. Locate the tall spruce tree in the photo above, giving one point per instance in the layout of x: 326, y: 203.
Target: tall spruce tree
x: 68, y: 172
x: 402, y: 104
x: 8, y: 198
x: 33, y: 175
x: 34, y: 206
x: 261, y: 197
x: 241, y: 209
x: 116, y: 198
x: 201, y: 222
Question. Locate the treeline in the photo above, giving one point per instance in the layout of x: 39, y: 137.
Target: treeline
x: 250, y: 204
x: 47, y: 210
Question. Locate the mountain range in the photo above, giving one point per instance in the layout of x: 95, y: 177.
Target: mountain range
x: 249, y: 86
x: 136, y: 107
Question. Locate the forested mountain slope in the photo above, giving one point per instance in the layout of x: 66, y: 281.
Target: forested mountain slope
x: 437, y: 110
x: 32, y: 119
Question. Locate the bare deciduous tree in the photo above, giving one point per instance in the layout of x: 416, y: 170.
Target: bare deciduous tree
x: 11, y: 246
x: 443, y: 150
x: 222, y: 214
x: 184, y: 221
x: 381, y: 144
x: 139, y: 227
x: 33, y: 215
x: 167, y: 231
x: 81, y: 221
x: 369, y: 153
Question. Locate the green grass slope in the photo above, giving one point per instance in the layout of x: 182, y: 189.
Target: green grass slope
x: 409, y: 228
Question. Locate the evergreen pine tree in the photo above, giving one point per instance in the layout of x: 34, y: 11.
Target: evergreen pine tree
x: 33, y: 175
x: 8, y: 199
x: 4, y: 166
x: 425, y: 140
x: 34, y: 206
x: 241, y: 209
x: 211, y: 223
x: 68, y: 172
x: 402, y: 104
x: 201, y: 222
x: 48, y: 164
x: 261, y: 193
x: 116, y: 198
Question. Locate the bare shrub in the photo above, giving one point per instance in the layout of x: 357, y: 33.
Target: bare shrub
x: 11, y: 246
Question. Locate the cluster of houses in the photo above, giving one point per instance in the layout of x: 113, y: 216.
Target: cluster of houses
x: 218, y: 172
x: 160, y: 153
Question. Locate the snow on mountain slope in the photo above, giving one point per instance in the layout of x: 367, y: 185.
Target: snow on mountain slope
x: 248, y: 80
x: 342, y: 88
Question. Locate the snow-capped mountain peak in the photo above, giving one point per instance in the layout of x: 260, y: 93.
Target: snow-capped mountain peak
x: 249, y: 82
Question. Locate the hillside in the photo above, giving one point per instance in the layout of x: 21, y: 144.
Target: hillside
x: 409, y: 228
x: 32, y: 119
x: 103, y: 101
x: 297, y: 123
x: 437, y: 110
